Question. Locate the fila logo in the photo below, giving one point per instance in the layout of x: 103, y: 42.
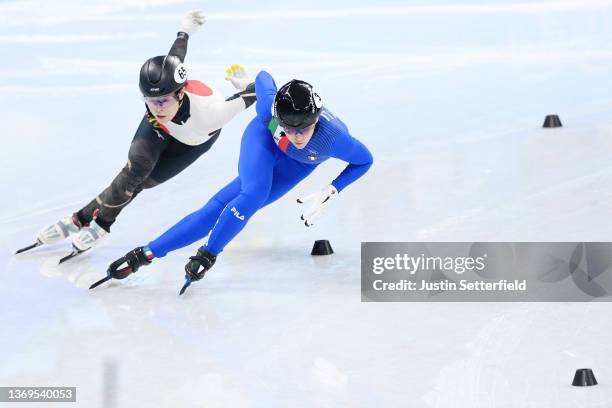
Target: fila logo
x: 237, y: 214
x: 159, y: 135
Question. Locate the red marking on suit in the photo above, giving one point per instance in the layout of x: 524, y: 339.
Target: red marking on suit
x: 283, y: 143
x: 198, y: 88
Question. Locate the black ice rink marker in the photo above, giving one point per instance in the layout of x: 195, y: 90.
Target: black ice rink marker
x: 584, y: 377
x: 322, y: 247
x: 552, y: 121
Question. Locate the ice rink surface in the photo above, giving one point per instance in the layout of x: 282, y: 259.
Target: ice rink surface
x: 449, y: 96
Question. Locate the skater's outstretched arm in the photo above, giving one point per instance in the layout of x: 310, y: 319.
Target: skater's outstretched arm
x: 191, y: 23
x: 265, y: 88
x: 179, y: 47
x: 346, y: 148
x: 220, y: 113
x: 350, y: 150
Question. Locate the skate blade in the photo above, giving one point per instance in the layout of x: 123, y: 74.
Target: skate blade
x: 185, y: 286
x: 101, y: 281
x: 34, y: 245
x: 75, y: 252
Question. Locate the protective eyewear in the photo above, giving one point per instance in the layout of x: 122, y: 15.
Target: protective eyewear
x: 297, y: 131
x: 161, y: 101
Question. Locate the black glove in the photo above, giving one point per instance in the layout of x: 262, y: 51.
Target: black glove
x: 199, y: 264
x: 133, y: 260
x: 248, y: 95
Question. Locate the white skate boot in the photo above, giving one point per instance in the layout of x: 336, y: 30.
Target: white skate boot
x: 59, y: 231
x: 88, y: 237
x: 55, y: 232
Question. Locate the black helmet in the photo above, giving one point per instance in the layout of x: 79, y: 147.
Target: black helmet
x: 297, y: 105
x: 162, y: 75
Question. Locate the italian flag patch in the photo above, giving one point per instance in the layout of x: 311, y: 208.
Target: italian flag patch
x: 279, y: 136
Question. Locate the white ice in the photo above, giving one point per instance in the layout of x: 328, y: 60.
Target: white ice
x: 450, y: 98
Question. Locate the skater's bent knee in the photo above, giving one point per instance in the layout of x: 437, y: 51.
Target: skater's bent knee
x: 253, y: 199
x: 150, y: 183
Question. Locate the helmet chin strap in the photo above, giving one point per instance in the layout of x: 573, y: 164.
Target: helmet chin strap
x: 151, y: 117
x: 179, y: 97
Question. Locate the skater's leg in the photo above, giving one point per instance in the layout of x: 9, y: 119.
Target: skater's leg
x: 196, y: 225
x: 86, y: 214
x: 249, y: 191
x: 177, y: 157
x: 258, y: 157
x: 287, y: 174
x: 145, y: 150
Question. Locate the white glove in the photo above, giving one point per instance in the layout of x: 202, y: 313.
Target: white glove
x: 237, y: 75
x: 192, y: 22
x: 319, y: 200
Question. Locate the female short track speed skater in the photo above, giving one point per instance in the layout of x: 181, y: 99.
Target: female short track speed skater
x: 183, y: 119
x: 290, y: 136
